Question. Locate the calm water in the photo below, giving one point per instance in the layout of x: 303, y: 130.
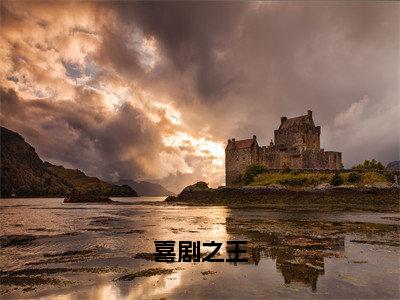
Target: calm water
x: 118, y: 232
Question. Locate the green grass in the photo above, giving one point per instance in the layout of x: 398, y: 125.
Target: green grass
x: 311, y: 179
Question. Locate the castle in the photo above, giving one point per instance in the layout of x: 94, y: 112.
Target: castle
x: 297, y: 146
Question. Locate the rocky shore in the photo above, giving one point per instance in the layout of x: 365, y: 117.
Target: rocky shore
x: 379, y: 197
x: 87, y: 199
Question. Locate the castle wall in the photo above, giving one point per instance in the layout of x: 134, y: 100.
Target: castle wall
x: 237, y: 160
x: 313, y: 159
x: 286, y: 139
x: 320, y: 159
x: 312, y: 138
x: 334, y: 160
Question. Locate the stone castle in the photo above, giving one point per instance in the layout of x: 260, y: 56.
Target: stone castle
x: 297, y: 146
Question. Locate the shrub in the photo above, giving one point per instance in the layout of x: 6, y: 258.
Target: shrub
x: 252, y: 171
x: 336, y: 179
x: 369, y: 165
x: 389, y: 176
x: 286, y: 170
x: 354, y: 177
x: 313, y: 180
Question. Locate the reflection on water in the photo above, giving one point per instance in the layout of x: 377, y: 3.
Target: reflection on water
x: 290, y: 254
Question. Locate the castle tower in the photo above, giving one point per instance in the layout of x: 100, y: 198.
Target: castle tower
x: 239, y: 155
x: 299, y: 133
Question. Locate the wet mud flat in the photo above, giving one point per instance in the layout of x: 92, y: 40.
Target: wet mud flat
x: 108, y: 251
x: 300, y: 246
x: 50, y: 271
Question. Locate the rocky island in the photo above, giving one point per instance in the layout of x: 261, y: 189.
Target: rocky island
x: 376, y: 197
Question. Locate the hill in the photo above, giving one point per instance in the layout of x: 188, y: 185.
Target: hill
x: 24, y: 174
x: 145, y: 188
x: 393, y: 166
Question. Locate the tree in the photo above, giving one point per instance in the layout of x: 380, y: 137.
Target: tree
x: 336, y: 179
x: 369, y: 165
x: 354, y: 177
x: 252, y: 171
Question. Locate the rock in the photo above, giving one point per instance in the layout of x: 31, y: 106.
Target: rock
x: 382, y: 185
x: 276, y: 186
x: 87, y: 199
x: 170, y: 198
x: 323, y: 186
x: 346, y: 186
x: 198, y: 186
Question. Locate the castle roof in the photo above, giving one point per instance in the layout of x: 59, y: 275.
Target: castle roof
x: 296, y: 121
x: 241, y: 144
x: 244, y: 143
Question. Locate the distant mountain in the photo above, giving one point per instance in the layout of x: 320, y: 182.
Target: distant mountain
x: 24, y: 174
x: 393, y: 166
x: 145, y: 188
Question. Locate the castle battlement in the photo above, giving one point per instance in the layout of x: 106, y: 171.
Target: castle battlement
x: 296, y: 145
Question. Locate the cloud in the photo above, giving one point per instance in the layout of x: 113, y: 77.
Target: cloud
x: 366, y: 131
x: 123, y: 143
x: 152, y: 90
x: 352, y: 114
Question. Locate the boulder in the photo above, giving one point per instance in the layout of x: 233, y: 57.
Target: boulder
x: 346, y: 186
x: 170, y: 198
x: 323, y: 186
x: 276, y: 186
x: 382, y: 185
x: 197, y: 187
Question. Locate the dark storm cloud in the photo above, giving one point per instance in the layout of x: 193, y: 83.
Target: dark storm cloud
x: 115, y: 53
x: 79, y: 134
x: 230, y: 69
x: 298, y: 56
x: 289, y: 57
x: 324, y: 57
x: 191, y: 34
x: 281, y: 58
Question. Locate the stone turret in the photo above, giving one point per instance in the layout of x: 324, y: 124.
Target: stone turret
x: 298, y: 133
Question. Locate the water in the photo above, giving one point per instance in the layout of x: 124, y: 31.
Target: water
x: 350, y: 255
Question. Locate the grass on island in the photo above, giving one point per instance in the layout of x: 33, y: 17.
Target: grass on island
x: 297, y: 178
x: 367, y: 173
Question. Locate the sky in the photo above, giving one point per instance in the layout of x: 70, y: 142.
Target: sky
x: 153, y: 91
